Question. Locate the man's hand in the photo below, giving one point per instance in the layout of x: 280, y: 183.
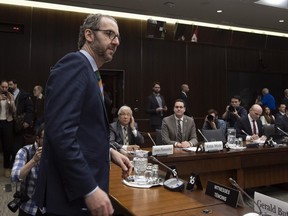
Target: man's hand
x: 99, y: 203
x: 122, y: 161
x: 132, y: 123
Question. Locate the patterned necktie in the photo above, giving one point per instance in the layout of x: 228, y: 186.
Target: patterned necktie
x: 126, y: 139
x: 100, y: 82
x: 254, y: 127
x: 179, y: 133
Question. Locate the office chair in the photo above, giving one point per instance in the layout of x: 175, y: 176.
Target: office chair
x: 269, y: 130
x: 214, y: 135
x: 158, y: 137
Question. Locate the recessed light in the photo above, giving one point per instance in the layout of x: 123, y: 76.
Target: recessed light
x: 219, y: 11
x: 281, y: 21
x: 169, y: 4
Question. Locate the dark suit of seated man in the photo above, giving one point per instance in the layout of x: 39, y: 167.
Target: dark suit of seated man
x: 282, y: 122
x: 125, y: 125
x: 245, y: 126
x: 182, y: 136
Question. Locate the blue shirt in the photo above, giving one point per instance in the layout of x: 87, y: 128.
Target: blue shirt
x: 269, y: 101
x: 20, y: 160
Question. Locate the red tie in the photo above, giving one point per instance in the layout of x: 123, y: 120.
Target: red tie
x: 254, y: 127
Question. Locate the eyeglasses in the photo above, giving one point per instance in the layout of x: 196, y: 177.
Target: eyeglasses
x: 112, y: 35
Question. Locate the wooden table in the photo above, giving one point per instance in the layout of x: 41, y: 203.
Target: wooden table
x: 160, y: 201
x: 251, y: 167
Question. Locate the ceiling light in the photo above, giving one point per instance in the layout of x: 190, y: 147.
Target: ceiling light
x: 219, y: 11
x: 281, y: 21
x: 274, y: 3
x: 51, y: 6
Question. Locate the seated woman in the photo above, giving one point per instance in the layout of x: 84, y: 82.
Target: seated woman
x: 267, y: 118
x: 212, y: 122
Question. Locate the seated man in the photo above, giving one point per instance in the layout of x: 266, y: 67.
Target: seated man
x: 123, y: 132
x: 282, y: 123
x: 178, y: 129
x: 250, y: 127
x: 212, y: 122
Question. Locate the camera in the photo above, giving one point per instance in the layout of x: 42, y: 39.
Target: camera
x: 231, y: 108
x: 5, y: 93
x: 210, y: 118
x: 19, y: 198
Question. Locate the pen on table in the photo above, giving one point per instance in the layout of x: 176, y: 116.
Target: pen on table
x: 245, y: 132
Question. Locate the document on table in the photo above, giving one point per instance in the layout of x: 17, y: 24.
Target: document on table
x: 190, y: 149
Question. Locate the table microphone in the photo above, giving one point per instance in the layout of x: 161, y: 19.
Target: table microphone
x: 282, y: 131
x: 235, y: 184
x: 173, y: 184
x: 151, y: 139
x: 203, y: 135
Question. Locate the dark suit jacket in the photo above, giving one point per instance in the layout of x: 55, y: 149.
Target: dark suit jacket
x: 151, y: 106
x: 116, y: 135
x: 282, y: 123
x: 187, y: 103
x: 24, y: 104
x: 75, y: 157
x: 169, y: 130
x: 244, y: 124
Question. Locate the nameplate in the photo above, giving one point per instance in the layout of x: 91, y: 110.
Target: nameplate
x: 228, y: 195
x: 213, y: 146
x: 162, y: 150
x: 269, y: 205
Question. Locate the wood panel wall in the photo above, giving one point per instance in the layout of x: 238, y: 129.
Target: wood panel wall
x: 207, y: 66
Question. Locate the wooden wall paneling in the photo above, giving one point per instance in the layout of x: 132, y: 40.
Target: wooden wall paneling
x: 278, y: 43
x: 241, y: 59
x: 251, y: 40
x: 214, y: 36
x: 54, y: 34
x: 164, y: 61
x: 208, y: 74
x: 15, y: 59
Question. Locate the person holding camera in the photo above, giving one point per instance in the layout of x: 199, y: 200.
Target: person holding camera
x: 212, y: 122
x: 25, y: 171
x: 234, y: 111
x: 7, y: 108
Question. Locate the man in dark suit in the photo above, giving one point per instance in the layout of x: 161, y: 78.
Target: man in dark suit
x: 24, y: 109
x: 74, y: 169
x: 250, y: 127
x: 156, y: 107
x: 282, y: 122
x: 178, y: 129
x: 124, y: 132
x: 184, y: 97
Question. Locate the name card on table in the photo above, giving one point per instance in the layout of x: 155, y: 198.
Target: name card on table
x: 213, y: 146
x: 162, y: 150
x: 228, y: 195
x: 269, y: 205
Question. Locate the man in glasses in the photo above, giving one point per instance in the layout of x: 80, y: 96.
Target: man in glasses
x: 178, y: 129
x: 74, y: 168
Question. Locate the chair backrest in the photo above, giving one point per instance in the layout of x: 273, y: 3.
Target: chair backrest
x: 269, y: 130
x: 214, y: 135
x: 158, y: 137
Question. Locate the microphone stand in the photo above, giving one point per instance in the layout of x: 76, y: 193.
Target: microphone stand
x: 235, y: 184
x: 282, y: 131
x: 173, y: 184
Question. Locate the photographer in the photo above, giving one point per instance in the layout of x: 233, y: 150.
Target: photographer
x: 26, y: 168
x: 234, y: 111
x: 212, y: 122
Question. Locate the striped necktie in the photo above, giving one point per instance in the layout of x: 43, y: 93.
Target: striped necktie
x: 100, y: 82
x: 126, y: 139
x: 179, y: 132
